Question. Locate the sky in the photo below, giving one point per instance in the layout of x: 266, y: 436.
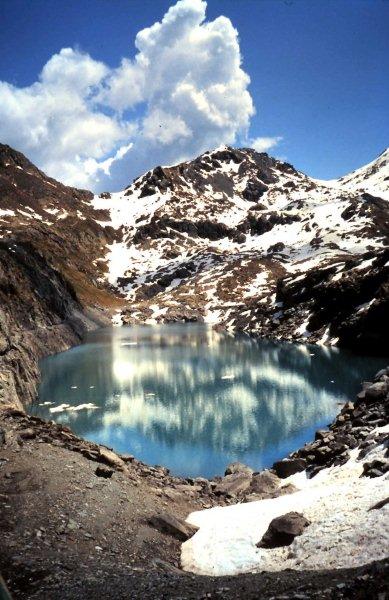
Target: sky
x: 97, y: 92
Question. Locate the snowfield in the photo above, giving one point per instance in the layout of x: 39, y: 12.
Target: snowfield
x: 343, y: 531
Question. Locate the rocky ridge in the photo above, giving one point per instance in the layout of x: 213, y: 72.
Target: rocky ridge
x: 243, y: 241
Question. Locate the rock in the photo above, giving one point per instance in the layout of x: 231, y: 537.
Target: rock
x: 233, y: 484
x: 289, y: 466
x: 71, y: 525
x: 89, y: 454
x: 170, y: 493
x: 380, y: 504
x: 289, y: 488
x: 105, y: 472
x: 238, y: 467
x: 187, y: 488
x: 127, y: 457
x: 265, y: 482
x: 322, y: 434
x: 373, y: 473
x: 381, y: 373
x: 376, y: 468
x: 27, y: 434
x: 348, y: 407
x: 346, y: 439
x: 376, y: 391
x: 176, y: 527
x: 282, y: 530
x: 110, y: 458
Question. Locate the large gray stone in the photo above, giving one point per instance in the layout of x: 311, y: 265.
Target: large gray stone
x: 376, y: 391
x: 282, y: 530
x: 175, y: 526
x: 265, y: 483
x: 238, y: 467
x: 233, y: 484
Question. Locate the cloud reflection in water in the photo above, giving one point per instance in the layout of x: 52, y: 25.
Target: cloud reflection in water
x: 194, y: 399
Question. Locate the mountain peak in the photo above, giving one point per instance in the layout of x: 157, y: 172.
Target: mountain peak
x: 372, y: 178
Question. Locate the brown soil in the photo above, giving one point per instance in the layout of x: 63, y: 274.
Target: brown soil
x: 69, y: 534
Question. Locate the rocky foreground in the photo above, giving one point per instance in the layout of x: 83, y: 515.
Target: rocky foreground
x: 78, y: 519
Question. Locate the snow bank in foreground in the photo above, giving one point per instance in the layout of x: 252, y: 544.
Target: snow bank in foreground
x: 343, y: 532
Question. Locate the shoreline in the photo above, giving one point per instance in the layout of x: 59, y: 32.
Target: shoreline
x: 159, y: 493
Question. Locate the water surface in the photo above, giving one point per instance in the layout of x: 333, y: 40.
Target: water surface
x: 193, y: 399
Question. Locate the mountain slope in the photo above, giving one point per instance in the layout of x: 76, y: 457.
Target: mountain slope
x: 372, y: 178
x: 242, y: 240
x: 234, y: 238
x: 50, y: 251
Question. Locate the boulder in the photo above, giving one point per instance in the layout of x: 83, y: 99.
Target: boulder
x: 105, y: 472
x: 289, y: 488
x: 376, y: 391
x: 375, y: 468
x: 289, y: 466
x: 233, y: 484
x: 381, y: 373
x: 110, y: 458
x: 127, y: 457
x: 282, y: 530
x: 238, y: 467
x: 265, y: 482
x: 380, y: 504
x: 27, y: 434
x: 178, y: 528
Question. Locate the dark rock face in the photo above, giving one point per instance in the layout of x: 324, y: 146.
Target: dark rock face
x: 47, y: 273
x: 289, y: 466
x: 282, y: 530
x: 352, y: 307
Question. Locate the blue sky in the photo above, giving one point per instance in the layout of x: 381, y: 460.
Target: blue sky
x: 318, y: 69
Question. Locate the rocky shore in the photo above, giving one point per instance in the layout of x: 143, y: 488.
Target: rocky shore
x: 77, y: 517
x: 325, y: 506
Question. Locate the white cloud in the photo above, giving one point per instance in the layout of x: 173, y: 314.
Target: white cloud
x: 54, y: 122
x: 185, y: 86
x: 264, y: 144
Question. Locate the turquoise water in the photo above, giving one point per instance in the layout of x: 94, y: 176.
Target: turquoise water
x: 193, y: 399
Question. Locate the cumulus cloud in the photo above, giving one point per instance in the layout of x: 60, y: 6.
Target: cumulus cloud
x: 183, y: 92
x: 264, y: 144
x: 54, y: 121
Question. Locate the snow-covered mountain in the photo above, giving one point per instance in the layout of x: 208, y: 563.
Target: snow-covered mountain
x: 372, y: 178
x: 239, y: 239
x: 234, y: 238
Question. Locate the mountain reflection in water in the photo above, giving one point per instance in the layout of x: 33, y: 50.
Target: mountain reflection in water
x: 193, y: 399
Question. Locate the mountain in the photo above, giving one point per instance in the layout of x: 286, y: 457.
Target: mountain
x: 373, y: 178
x: 244, y: 241
x: 234, y: 238
x: 50, y: 245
